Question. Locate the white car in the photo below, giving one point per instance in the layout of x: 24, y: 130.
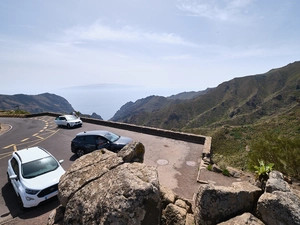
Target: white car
x: 34, y: 174
x: 68, y: 121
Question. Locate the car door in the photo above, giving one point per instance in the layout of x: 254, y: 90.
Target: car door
x: 101, y: 142
x: 62, y: 121
x: 58, y: 121
x: 15, y: 171
x: 90, y: 143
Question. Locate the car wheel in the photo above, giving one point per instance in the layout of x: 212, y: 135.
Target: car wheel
x: 68, y: 126
x: 80, y: 152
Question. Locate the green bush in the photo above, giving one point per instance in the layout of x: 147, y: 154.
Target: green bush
x: 283, y: 151
x: 225, y: 172
x: 209, y: 167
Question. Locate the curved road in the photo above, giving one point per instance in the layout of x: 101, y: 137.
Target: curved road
x: 177, y: 162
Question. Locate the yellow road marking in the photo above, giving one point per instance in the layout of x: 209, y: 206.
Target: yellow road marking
x: 43, y: 139
x: 34, y: 142
x: 39, y: 137
x: 24, y: 139
x: 6, y: 155
x: 8, y: 146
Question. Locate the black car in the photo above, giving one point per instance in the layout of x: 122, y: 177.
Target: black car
x: 88, y: 141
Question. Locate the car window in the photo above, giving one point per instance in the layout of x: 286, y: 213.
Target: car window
x: 62, y: 118
x: 111, y: 136
x: 71, y: 117
x: 15, y: 166
x: 39, y: 167
x: 90, y: 139
x: 100, y: 140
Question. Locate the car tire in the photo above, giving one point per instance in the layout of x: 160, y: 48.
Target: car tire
x: 80, y: 152
x: 68, y: 126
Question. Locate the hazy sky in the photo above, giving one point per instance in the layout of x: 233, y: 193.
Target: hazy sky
x: 167, y: 45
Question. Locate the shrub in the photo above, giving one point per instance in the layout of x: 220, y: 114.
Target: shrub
x: 262, y: 171
x: 283, y: 151
x: 209, y: 167
x: 225, y: 172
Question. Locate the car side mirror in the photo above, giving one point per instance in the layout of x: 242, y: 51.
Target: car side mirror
x: 15, y: 177
x: 61, y: 161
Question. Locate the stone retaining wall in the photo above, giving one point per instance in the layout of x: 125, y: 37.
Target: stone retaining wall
x: 193, y: 138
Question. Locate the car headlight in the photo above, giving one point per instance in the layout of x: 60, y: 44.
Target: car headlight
x: 31, y: 192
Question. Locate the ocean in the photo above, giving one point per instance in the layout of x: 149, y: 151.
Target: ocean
x: 107, y: 101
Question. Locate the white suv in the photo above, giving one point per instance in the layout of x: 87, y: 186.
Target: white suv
x: 68, y: 121
x: 34, y: 174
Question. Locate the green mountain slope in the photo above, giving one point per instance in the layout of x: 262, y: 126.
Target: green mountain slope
x: 240, y: 101
x: 142, y: 108
x: 36, y: 103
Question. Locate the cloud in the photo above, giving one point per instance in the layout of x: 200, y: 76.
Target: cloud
x: 100, y: 32
x: 176, y: 57
x: 224, y: 10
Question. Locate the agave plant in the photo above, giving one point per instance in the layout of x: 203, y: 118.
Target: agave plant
x: 262, y: 171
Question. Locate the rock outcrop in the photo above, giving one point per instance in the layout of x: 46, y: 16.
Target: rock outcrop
x: 215, y: 204
x: 279, y: 204
x: 245, y: 203
x: 117, y: 188
x: 101, y: 188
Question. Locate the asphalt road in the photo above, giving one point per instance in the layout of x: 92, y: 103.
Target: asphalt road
x: 177, y: 162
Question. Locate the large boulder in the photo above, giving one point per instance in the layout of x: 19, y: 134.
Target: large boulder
x: 104, y: 188
x: 279, y: 204
x: 246, y: 218
x: 215, y: 204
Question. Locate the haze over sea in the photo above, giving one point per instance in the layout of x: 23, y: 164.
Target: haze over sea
x: 107, y: 99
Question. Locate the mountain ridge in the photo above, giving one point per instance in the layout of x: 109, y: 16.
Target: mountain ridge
x: 242, y: 100
x: 44, y: 102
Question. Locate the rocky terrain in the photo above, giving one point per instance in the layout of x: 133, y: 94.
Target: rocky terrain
x: 117, y: 188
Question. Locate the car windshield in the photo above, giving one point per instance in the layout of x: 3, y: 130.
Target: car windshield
x: 111, y: 136
x: 71, y: 117
x: 39, y: 167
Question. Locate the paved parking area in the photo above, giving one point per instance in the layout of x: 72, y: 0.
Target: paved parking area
x: 177, y: 162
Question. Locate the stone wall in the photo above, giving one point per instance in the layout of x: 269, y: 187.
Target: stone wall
x: 198, y: 139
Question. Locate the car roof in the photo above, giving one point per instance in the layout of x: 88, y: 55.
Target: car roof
x: 93, y: 132
x: 31, y: 154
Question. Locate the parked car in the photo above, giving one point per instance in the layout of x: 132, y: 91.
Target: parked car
x: 88, y: 141
x: 34, y: 174
x: 68, y: 121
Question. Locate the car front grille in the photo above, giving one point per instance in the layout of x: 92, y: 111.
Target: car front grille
x: 48, y: 190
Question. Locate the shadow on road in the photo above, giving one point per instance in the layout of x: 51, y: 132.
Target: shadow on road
x: 14, y: 210
x: 73, y: 157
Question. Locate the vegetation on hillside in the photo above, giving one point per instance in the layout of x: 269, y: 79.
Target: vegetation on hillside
x: 13, y: 112
x: 273, y: 140
x: 250, y: 119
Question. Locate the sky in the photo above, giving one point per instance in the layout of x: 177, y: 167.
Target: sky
x: 127, y: 50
